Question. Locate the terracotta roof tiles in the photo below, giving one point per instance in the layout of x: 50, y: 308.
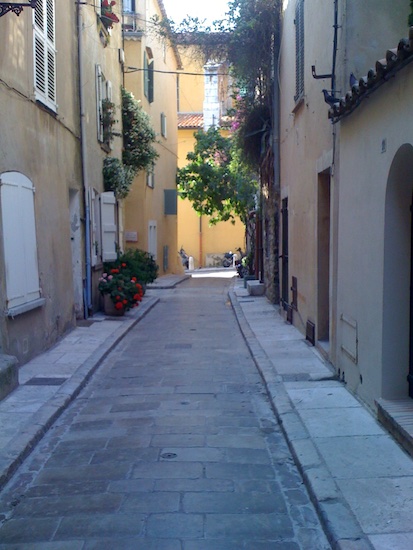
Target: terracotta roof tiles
x: 189, y: 121
x: 385, y: 68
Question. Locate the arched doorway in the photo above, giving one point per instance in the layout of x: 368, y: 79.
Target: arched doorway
x: 397, y: 337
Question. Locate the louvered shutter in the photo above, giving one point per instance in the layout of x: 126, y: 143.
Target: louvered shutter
x: 145, y: 75
x: 109, y: 228
x: 99, y: 99
x: 94, y: 225
x: 19, y: 239
x: 151, y: 75
x: 45, y: 53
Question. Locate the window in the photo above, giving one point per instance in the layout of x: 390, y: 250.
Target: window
x: 152, y: 239
x: 299, y: 50
x: 150, y: 177
x: 104, y: 106
x: 163, y: 125
x: 45, y: 53
x: 129, y: 6
x: 19, y: 243
x: 148, y: 67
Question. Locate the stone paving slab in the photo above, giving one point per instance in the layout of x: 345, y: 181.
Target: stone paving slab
x: 160, y: 451
x: 27, y: 413
x: 360, y: 479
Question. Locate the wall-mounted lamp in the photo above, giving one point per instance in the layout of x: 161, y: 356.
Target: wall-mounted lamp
x: 16, y: 7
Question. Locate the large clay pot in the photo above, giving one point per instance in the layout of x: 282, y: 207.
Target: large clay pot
x: 109, y: 307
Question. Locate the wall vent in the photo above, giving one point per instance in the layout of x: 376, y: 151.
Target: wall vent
x: 310, y: 332
x: 289, y: 311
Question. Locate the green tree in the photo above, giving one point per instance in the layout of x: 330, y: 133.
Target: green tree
x: 215, y: 180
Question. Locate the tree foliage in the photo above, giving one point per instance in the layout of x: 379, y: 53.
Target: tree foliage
x: 215, y: 180
x: 138, y: 135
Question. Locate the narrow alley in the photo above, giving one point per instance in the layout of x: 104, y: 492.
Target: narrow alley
x: 172, y: 445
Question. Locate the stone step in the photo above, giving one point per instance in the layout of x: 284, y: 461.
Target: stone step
x: 255, y: 288
x: 9, y: 375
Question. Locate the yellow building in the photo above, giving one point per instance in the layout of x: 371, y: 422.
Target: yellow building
x: 204, y: 97
x: 151, y: 63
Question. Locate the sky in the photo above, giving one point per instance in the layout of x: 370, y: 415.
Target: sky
x: 177, y: 10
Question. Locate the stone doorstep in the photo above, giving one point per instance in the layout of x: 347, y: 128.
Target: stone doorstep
x: 255, y: 288
x: 397, y: 417
x: 9, y: 375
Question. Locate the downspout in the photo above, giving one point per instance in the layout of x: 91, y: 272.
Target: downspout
x: 88, y: 289
x: 333, y: 70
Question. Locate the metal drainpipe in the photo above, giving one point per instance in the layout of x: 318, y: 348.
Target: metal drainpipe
x: 333, y: 69
x: 88, y: 304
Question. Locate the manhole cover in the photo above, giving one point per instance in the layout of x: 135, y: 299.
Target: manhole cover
x: 169, y: 456
x: 38, y: 381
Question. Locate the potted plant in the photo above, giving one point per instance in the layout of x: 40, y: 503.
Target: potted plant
x: 107, y: 15
x: 121, y: 291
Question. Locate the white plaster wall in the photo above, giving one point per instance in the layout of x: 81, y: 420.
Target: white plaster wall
x: 364, y: 170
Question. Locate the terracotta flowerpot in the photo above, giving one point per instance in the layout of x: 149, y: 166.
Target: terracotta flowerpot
x: 109, y: 307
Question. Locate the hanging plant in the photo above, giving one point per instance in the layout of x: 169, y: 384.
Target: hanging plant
x: 107, y: 15
x: 117, y: 177
x: 108, y: 121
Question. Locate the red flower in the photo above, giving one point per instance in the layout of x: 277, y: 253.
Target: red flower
x: 125, y: 302
x: 119, y: 305
x: 114, y: 270
x: 117, y: 298
x: 123, y: 265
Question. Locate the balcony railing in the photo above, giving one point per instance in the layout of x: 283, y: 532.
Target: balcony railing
x: 133, y: 24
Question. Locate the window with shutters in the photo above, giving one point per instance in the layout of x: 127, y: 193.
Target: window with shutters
x: 299, y: 50
x: 103, y: 227
x: 45, y: 53
x: 19, y: 243
x: 148, y: 67
x: 152, y: 239
x: 163, y: 125
x: 150, y: 177
x: 105, y: 109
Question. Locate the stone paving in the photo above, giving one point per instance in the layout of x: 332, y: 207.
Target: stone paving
x: 173, y: 444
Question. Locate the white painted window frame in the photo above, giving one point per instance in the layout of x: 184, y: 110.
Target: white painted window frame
x: 19, y: 243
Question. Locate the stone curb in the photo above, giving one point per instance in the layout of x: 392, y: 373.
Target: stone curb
x: 340, y: 525
x: 23, y: 444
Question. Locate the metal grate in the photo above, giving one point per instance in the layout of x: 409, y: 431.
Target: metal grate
x: 310, y: 332
x: 39, y: 381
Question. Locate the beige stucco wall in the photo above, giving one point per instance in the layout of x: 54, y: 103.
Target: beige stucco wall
x: 145, y: 204
x: 107, y: 56
x: 310, y: 153
x: 45, y: 148
x: 305, y: 146
x: 374, y: 242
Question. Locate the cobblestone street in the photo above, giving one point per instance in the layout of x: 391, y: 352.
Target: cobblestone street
x: 172, y: 445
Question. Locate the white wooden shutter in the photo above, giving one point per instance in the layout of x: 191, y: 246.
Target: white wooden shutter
x: 19, y: 239
x: 45, y: 53
x: 99, y: 99
x: 94, y: 226
x: 109, y: 228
